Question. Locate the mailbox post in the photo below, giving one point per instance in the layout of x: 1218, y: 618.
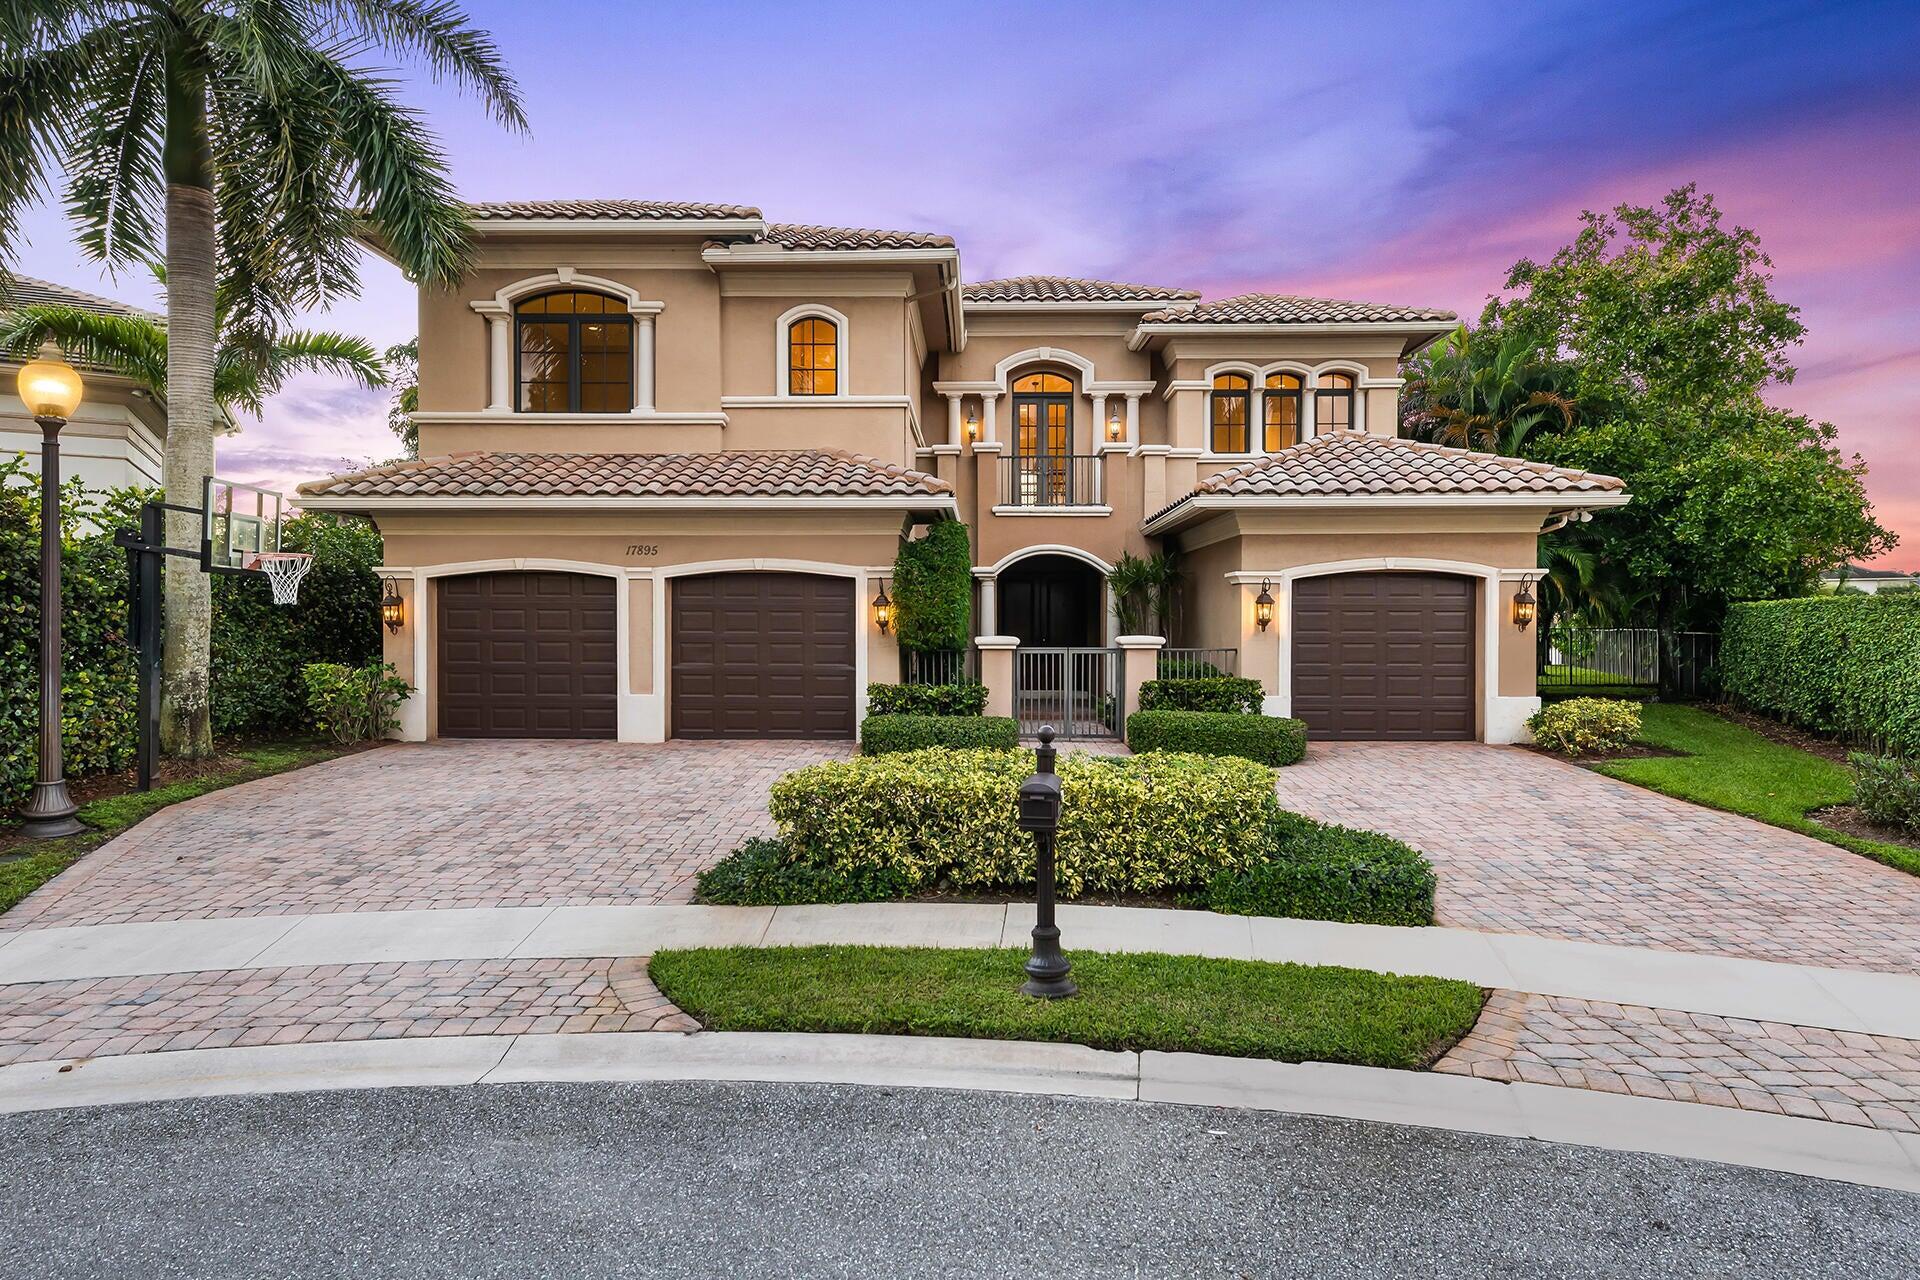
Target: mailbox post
x: 1047, y: 967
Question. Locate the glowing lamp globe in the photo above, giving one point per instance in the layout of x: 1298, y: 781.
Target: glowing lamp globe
x: 49, y: 385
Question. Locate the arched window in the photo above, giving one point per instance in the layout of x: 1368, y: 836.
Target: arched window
x: 1333, y: 403
x: 575, y: 354
x: 1280, y: 405
x: 1231, y: 401
x: 1042, y: 439
x: 813, y: 357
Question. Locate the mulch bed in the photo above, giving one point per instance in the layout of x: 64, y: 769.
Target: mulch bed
x: 1784, y: 734
x: 1849, y: 821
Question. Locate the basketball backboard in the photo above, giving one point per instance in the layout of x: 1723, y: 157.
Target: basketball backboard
x: 242, y: 522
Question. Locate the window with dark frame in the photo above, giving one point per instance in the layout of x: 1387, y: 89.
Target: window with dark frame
x: 1231, y: 410
x: 1280, y: 411
x: 573, y: 354
x: 1333, y: 403
x: 1042, y: 439
x: 813, y: 357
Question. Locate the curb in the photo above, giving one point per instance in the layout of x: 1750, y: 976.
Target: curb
x: 1785, y: 1144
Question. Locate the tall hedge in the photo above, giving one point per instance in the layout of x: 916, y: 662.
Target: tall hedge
x: 1847, y: 665
x: 258, y: 647
x: 933, y: 589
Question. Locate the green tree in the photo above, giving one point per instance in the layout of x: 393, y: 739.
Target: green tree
x: 1485, y: 389
x: 403, y: 363
x: 933, y: 589
x: 251, y: 137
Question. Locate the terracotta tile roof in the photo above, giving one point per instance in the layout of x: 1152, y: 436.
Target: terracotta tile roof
x: 594, y: 210
x: 1068, y: 289
x: 1350, y: 464
x: 797, y: 235
x: 1280, y: 308
x: 25, y: 291
x: 795, y: 473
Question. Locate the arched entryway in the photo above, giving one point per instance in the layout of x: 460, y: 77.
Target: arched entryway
x: 1052, y: 601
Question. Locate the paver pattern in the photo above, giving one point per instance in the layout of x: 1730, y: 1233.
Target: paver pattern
x: 42, y: 1021
x: 442, y: 824
x: 1842, y: 1076
x: 1528, y: 844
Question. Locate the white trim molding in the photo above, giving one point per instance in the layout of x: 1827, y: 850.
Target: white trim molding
x: 782, y: 351
x: 1503, y: 718
x: 498, y: 311
x: 1053, y: 511
x: 588, y: 502
x: 1012, y: 558
x: 1379, y: 501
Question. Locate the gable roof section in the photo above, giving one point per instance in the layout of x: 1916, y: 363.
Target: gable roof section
x: 607, y: 211
x: 25, y: 291
x: 1069, y: 289
x: 673, y: 478
x: 1284, y: 308
x: 1349, y: 464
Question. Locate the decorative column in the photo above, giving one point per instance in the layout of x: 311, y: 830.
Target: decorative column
x: 989, y: 428
x: 643, y: 383
x: 1133, y: 417
x: 499, y: 356
x: 955, y: 432
x: 1099, y: 421
x: 996, y: 671
x: 1139, y: 663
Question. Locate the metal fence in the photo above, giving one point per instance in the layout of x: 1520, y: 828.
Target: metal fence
x: 1077, y: 691
x: 1629, y: 660
x: 943, y: 666
x: 1051, y: 480
x: 1190, y: 664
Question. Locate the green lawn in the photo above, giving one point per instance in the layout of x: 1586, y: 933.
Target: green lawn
x: 1241, y: 1008
x: 1727, y: 766
x: 109, y: 816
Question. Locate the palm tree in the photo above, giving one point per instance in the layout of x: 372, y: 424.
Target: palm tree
x: 244, y: 375
x: 252, y: 137
x: 1485, y: 390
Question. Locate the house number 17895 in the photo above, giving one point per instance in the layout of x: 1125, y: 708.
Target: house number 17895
x: 643, y: 548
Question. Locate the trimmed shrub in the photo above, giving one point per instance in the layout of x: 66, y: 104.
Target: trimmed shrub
x: 1315, y: 871
x: 1887, y: 790
x: 962, y: 698
x: 880, y: 735
x: 1267, y: 739
x: 1582, y: 726
x: 1173, y: 667
x: 354, y: 704
x: 762, y: 873
x: 1213, y: 693
x: 1847, y: 665
x: 933, y: 589
x: 1136, y: 823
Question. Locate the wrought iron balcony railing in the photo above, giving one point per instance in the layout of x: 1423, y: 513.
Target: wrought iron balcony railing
x: 1050, y: 480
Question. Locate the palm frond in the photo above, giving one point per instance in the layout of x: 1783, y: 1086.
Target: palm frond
x: 132, y: 345
x: 116, y: 186
x: 438, y: 32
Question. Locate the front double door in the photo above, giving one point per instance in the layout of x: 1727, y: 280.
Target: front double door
x: 1043, y: 442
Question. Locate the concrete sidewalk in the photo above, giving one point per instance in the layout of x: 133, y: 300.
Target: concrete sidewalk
x: 1763, y: 991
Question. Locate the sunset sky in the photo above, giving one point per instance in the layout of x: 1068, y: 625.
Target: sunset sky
x: 1396, y: 153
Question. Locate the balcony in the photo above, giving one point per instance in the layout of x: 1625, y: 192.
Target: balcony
x: 1063, y: 483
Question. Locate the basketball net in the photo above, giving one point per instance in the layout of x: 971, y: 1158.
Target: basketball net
x: 284, y: 570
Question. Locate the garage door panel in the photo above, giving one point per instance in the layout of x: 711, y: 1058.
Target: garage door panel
x: 762, y: 655
x: 527, y: 655
x: 1384, y: 656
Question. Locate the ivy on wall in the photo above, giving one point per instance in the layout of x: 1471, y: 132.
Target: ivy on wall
x: 933, y: 589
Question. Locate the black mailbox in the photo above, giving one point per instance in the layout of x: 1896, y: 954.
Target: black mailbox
x: 1040, y: 803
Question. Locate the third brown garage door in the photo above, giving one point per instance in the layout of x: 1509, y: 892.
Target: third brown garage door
x: 1384, y: 656
x: 762, y: 655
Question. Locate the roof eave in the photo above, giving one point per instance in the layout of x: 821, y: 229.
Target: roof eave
x: 934, y: 502
x: 1145, y: 333
x: 1195, y: 505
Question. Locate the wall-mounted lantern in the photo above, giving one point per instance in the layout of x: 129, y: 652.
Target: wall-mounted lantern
x: 1113, y: 424
x: 1263, y: 606
x: 1525, y: 608
x: 882, y: 610
x: 973, y: 425
x: 393, y: 610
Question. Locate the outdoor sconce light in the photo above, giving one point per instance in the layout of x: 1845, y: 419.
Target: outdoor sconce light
x: 1113, y: 424
x: 882, y: 610
x: 1263, y: 606
x: 973, y: 424
x: 49, y: 385
x: 393, y: 610
x: 1525, y: 609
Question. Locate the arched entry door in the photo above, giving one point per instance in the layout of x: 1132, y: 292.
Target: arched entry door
x: 1051, y: 601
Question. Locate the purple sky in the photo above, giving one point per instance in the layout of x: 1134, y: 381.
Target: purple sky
x: 1401, y: 153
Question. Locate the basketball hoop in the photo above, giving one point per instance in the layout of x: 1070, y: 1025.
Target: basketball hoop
x: 284, y: 570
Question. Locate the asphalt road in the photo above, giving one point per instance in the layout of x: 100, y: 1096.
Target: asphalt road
x: 797, y: 1180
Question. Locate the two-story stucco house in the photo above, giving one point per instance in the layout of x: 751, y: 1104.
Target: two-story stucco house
x: 669, y: 451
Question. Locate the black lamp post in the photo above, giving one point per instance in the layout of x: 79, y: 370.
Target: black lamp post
x: 1047, y: 967
x: 51, y: 391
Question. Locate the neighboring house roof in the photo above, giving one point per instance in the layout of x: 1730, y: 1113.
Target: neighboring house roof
x: 1861, y: 571
x: 25, y: 291
x: 1282, y: 308
x: 606, y: 210
x: 1348, y: 464
x: 797, y: 473
x: 1069, y: 289
x: 796, y: 235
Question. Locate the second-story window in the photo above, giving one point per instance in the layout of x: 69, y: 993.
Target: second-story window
x: 1333, y: 403
x: 1231, y: 401
x: 574, y: 354
x: 1280, y: 409
x: 813, y: 357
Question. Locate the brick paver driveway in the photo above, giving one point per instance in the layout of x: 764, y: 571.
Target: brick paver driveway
x: 1527, y: 844
x: 444, y: 824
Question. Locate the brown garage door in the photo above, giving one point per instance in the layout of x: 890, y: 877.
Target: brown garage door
x: 527, y: 655
x: 1384, y: 656
x: 762, y: 655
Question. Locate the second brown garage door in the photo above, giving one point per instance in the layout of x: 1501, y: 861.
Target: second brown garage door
x: 762, y: 655
x: 527, y: 655
x: 1384, y: 656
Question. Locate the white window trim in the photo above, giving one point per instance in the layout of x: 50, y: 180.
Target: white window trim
x: 498, y: 312
x: 1310, y: 380
x: 783, y: 353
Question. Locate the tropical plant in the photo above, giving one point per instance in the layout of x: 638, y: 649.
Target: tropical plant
x: 1486, y: 389
x: 1145, y: 591
x: 403, y: 371
x: 253, y: 137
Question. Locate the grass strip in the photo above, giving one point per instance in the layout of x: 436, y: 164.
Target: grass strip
x: 1728, y: 766
x: 1191, y: 1004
